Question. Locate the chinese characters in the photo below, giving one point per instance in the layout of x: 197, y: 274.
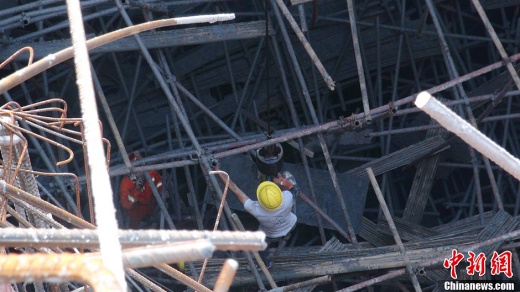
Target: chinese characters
x: 500, y: 263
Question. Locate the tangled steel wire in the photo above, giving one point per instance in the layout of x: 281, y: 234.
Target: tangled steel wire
x: 48, y: 117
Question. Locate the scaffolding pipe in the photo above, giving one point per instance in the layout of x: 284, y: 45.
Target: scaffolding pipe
x: 453, y: 123
x: 310, y: 106
x: 326, y: 77
x: 496, y: 41
x: 393, y: 229
x: 260, y: 261
x: 294, y: 117
x: 329, y: 126
x: 211, y: 181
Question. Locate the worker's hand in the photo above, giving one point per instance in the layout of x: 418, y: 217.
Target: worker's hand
x: 139, y: 183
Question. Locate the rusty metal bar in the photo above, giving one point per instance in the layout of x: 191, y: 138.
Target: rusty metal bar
x: 132, y: 274
x: 225, y: 278
x: 182, y: 278
x: 62, y: 267
x: 54, y: 59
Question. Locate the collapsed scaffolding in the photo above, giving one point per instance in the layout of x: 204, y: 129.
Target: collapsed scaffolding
x: 486, y: 231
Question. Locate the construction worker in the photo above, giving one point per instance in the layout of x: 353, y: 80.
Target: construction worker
x: 272, y: 210
x: 136, y: 194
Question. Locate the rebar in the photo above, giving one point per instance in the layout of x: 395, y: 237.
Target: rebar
x: 226, y: 276
x: 469, y: 134
x: 58, y: 267
x: 54, y: 59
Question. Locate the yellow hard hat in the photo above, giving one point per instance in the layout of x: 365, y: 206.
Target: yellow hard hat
x: 269, y: 195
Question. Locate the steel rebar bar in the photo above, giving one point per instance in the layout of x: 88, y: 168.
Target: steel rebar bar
x: 469, y: 134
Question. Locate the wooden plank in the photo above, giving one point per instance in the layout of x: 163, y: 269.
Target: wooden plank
x: 154, y: 39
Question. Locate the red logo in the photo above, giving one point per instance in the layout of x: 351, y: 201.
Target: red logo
x: 476, y: 264
x: 501, y: 263
x: 453, y: 262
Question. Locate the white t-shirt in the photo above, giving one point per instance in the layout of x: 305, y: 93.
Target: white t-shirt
x: 274, y: 223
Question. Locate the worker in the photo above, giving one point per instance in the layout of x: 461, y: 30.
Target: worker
x: 136, y: 194
x: 272, y: 210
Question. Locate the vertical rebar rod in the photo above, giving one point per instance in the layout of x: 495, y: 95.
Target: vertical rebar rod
x: 310, y: 106
x: 294, y: 117
x: 391, y: 224
x: 359, y: 61
x: 102, y: 190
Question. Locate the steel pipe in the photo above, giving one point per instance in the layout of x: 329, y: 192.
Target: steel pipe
x: 395, y: 233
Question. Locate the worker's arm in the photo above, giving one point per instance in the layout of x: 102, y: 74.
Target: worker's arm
x: 241, y: 196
